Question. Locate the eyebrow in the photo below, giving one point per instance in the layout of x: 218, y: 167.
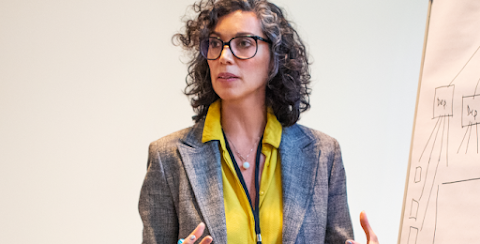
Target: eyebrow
x: 238, y: 34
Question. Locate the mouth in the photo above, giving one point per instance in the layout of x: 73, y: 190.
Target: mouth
x: 226, y: 75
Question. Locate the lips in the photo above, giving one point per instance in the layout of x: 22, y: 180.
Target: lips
x: 226, y: 75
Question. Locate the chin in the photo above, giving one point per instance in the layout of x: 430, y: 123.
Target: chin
x: 228, y: 97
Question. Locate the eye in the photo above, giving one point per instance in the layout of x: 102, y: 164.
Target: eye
x: 245, y: 42
x: 214, y: 43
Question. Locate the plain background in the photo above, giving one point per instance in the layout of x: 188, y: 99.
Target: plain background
x: 85, y: 86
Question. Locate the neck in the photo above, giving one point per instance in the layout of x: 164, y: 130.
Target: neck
x: 243, y: 122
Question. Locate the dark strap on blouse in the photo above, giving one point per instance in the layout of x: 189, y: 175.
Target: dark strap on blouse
x: 256, y: 209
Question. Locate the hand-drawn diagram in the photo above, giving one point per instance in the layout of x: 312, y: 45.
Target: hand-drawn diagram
x: 450, y: 228
x: 445, y: 158
x: 470, y: 108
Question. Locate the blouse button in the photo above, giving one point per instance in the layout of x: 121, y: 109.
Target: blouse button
x: 262, y: 192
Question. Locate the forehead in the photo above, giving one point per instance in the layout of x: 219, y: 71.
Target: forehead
x: 238, y: 22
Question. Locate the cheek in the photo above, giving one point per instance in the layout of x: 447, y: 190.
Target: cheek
x: 211, y: 70
x: 209, y: 65
x: 265, y: 61
x: 263, y: 67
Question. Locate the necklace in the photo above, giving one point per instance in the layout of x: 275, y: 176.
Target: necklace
x: 245, y: 164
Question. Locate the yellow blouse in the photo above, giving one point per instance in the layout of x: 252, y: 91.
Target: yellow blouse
x: 238, y: 213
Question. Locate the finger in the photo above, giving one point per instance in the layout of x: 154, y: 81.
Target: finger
x: 195, y: 234
x: 371, y: 236
x: 351, y: 242
x: 207, y: 240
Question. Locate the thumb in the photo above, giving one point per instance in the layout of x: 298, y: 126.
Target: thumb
x: 371, y: 236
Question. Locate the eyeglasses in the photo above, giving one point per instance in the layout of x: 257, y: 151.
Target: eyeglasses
x: 242, y: 47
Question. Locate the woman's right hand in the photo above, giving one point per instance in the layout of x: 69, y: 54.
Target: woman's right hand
x: 371, y: 236
x: 198, y: 232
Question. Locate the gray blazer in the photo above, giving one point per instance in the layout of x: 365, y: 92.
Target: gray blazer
x: 183, y: 187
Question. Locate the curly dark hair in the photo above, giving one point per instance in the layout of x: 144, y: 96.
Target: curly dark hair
x: 287, y: 91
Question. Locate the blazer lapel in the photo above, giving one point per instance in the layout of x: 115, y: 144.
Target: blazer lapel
x: 203, y: 167
x: 299, y: 168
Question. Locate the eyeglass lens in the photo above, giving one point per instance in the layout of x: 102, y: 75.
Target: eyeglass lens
x: 241, y: 47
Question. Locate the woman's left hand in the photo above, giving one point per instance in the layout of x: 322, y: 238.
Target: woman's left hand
x: 371, y: 237
x: 195, y: 234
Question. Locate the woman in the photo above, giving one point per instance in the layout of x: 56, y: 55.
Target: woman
x: 245, y: 172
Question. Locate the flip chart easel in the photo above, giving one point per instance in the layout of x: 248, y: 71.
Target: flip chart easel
x: 442, y: 191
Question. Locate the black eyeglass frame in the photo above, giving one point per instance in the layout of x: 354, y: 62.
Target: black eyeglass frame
x: 256, y: 38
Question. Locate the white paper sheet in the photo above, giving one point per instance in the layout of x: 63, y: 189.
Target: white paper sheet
x: 442, y: 198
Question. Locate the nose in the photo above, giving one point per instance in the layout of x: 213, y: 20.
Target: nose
x: 226, y: 56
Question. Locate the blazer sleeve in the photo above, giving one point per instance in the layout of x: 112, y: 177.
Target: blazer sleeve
x: 156, y: 205
x: 339, y: 224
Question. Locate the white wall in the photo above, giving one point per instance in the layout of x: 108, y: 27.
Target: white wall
x: 85, y: 86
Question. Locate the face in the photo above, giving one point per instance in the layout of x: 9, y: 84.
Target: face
x: 236, y: 79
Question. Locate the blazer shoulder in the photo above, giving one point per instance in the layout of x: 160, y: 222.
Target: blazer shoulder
x: 319, y: 137
x: 169, y: 142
